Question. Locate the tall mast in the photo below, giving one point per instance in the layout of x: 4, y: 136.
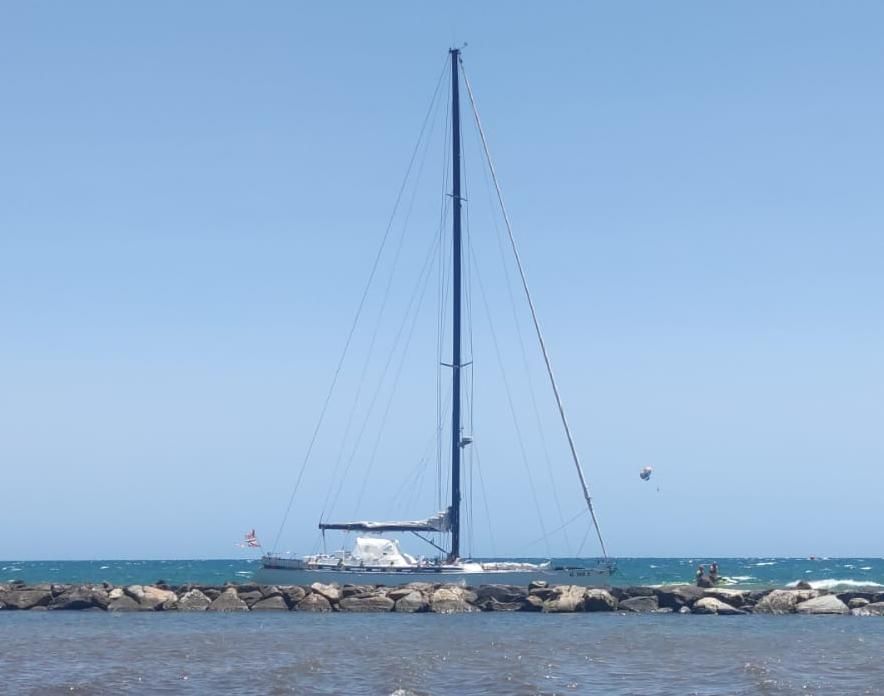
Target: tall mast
x: 456, y: 290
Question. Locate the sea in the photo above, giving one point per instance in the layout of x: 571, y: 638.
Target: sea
x: 424, y: 654
x: 821, y: 573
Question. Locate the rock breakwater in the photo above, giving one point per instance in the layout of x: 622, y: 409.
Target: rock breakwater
x: 436, y: 598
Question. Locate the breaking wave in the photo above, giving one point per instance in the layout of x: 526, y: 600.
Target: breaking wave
x: 837, y: 583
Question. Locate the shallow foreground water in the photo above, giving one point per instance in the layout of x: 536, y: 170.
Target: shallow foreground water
x: 98, y: 653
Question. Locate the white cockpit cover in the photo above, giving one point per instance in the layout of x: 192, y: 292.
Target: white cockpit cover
x: 380, y: 552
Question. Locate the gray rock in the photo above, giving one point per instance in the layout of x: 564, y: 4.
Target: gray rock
x: 566, y: 599
x: 875, y: 608
x: 314, y: 602
x: 712, y: 605
x: 125, y: 603
x: 211, y: 592
x: 635, y: 591
x: 678, y: 596
x: 270, y: 591
x: 358, y: 590
x: 25, y: 599
x: 803, y: 585
x: 501, y: 593
x: 411, y: 603
x: 331, y: 592
x: 150, y: 597
x: 640, y: 604
x: 228, y: 601
x: 81, y: 597
x: 397, y: 593
x: 193, y: 600
x: 246, y: 587
x: 596, y: 599
x: 250, y: 597
x: 292, y: 594
x: 532, y: 603
x: 537, y: 585
x: 847, y: 596
x: 826, y: 604
x: 736, y: 598
x: 452, y: 600
x: 492, y: 604
x: 274, y: 603
x: 856, y: 602
x: 783, y: 601
x: 366, y: 603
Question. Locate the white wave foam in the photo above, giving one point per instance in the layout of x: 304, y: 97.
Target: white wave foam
x: 866, y: 568
x: 103, y: 567
x: 766, y: 563
x: 837, y: 583
x: 740, y: 578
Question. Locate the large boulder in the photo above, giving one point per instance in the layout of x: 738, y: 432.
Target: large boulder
x: 228, y: 601
x: 826, y: 604
x: 565, y: 599
x: 125, y: 603
x: 25, y: 599
x: 377, y: 602
x: 783, y: 601
x: 314, y: 602
x: 596, y: 599
x: 501, y: 593
x: 736, y: 598
x: 678, y: 596
x: 193, y: 600
x: 639, y: 591
x: 856, y: 602
x: 331, y: 592
x: 411, y: 602
x: 274, y: 603
x: 81, y: 597
x: 358, y: 590
x: 150, y: 597
x: 873, y: 609
x: 847, y: 597
x: 501, y: 598
x: 712, y: 605
x: 250, y: 597
x: 452, y: 600
x: 640, y: 604
x: 293, y: 594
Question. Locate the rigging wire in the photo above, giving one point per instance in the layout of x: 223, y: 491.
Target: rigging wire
x: 509, y: 397
x: 377, y: 325
x: 485, y: 500
x: 440, y: 330
x: 359, y: 308
x: 423, y: 285
x: 524, y: 353
x: 534, y: 318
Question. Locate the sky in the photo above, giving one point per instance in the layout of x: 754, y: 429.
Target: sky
x: 192, y: 194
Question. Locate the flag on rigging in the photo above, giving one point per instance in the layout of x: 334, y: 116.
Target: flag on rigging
x: 250, y: 541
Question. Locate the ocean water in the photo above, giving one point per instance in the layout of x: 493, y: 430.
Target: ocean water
x: 825, y: 573
x: 410, y: 655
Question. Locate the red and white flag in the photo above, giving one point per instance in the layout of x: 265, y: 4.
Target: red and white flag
x: 250, y: 541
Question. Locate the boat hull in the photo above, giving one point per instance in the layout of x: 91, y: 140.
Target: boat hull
x: 554, y: 576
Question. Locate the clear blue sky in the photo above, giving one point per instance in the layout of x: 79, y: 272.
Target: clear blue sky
x: 191, y: 193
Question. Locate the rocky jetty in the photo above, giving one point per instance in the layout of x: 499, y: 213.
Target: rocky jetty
x: 437, y: 598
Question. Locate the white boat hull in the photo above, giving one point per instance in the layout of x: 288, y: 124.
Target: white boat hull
x: 269, y: 575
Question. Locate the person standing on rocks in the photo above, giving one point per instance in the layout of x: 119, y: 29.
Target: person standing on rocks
x: 701, y: 574
x: 713, y: 572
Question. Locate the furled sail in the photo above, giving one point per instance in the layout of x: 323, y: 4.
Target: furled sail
x: 440, y: 522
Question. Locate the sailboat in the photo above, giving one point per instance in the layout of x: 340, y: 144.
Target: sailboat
x: 377, y: 559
